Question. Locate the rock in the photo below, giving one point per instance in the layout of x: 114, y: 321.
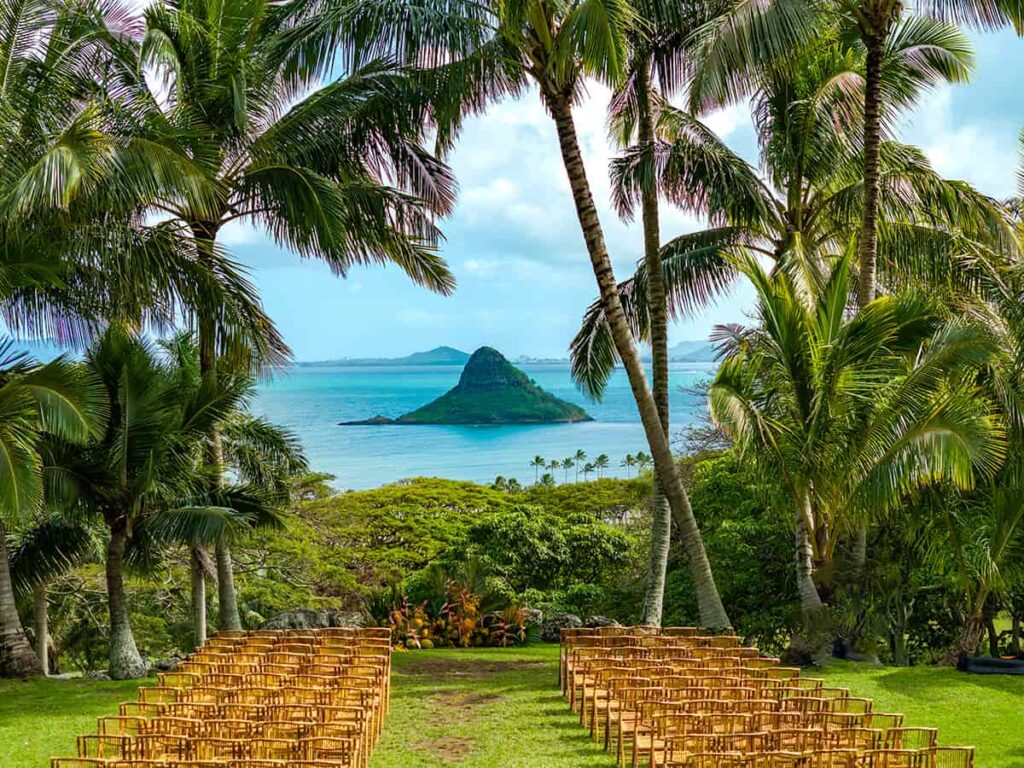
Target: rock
x: 167, y: 665
x: 550, y: 629
x: 308, y: 618
x: 97, y: 674
x: 600, y: 621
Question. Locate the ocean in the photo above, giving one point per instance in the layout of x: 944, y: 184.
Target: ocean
x: 311, y: 400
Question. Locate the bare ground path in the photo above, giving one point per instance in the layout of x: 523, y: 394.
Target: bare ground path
x: 482, y: 708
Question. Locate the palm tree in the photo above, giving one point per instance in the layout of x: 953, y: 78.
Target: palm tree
x: 143, y: 476
x: 567, y: 464
x: 849, y: 413
x: 538, y: 463
x: 587, y: 469
x: 554, y: 465
x: 579, y: 457
x: 628, y: 462
x: 601, y: 463
x: 58, y: 398
x: 478, y: 52
x: 48, y: 549
x: 643, y: 460
x: 878, y: 23
x: 340, y: 175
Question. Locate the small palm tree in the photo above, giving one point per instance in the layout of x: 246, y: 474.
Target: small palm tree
x: 587, y: 469
x: 538, y: 463
x: 849, y: 413
x: 144, y: 477
x: 580, y: 457
x: 567, y: 464
x: 601, y: 463
x: 554, y: 465
x: 643, y: 461
x: 629, y: 461
x: 61, y: 399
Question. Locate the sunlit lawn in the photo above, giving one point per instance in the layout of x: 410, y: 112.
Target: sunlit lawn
x: 489, y: 708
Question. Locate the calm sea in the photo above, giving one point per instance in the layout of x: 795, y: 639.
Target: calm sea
x: 312, y: 400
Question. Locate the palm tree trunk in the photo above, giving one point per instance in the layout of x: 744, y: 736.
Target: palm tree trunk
x: 198, y: 575
x: 872, y: 147
x: 17, y: 659
x: 712, y: 612
x: 125, y: 660
x: 227, y: 599
x: 41, y: 616
x: 812, y: 644
x: 661, y: 520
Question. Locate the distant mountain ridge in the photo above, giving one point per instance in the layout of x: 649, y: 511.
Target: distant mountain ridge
x: 437, y: 356
x: 490, y: 391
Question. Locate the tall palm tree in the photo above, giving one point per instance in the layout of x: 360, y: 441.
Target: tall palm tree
x: 337, y: 173
x: 629, y: 461
x: 601, y: 463
x: 58, y: 398
x: 538, y: 463
x: 806, y: 207
x: 877, y: 22
x: 474, y: 53
x: 849, y: 413
x: 579, y: 457
x: 567, y: 464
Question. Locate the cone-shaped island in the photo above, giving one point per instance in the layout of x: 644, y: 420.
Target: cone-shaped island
x: 490, y: 391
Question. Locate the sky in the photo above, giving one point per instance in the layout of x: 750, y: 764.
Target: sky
x: 515, y: 248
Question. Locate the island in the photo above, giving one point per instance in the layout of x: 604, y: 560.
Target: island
x: 490, y: 391
x: 435, y: 356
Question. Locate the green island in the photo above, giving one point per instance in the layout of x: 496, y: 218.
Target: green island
x: 490, y: 391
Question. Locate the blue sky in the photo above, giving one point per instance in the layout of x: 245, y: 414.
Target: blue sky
x: 514, y: 246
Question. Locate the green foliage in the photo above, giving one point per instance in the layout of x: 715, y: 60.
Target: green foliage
x: 750, y: 545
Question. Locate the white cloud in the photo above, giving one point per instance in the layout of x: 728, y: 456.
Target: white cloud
x: 982, y: 153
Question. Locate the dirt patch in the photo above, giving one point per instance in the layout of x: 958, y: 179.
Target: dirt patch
x: 450, y: 750
x: 441, y: 667
x: 458, y: 700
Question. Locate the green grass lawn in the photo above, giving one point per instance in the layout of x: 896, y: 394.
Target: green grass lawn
x: 490, y: 707
x: 983, y: 711
x: 40, y: 719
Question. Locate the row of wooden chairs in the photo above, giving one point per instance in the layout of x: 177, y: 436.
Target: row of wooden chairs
x: 262, y: 699
x: 674, y: 698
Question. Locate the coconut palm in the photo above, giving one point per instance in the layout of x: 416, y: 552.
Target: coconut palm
x: 478, y: 52
x: 567, y: 464
x: 579, y: 457
x: 336, y: 173
x: 144, y: 476
x: 806, y: 207
x: 538, y: 463
x: 601, y: 463
x: 58, y: 398
x: 49, y: 548
x: 849, y: 413
x: 629, y: 461
x: 878, y: 23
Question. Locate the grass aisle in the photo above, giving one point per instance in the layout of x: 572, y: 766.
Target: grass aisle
x: 482, y: 708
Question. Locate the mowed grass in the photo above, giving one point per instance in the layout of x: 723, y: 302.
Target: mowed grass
x: 491, y: 708
x: 482, y: 708
x: 40, y: 719
x: 983, y: 711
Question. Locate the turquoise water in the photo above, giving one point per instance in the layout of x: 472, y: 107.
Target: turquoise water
x: 312, y: 400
